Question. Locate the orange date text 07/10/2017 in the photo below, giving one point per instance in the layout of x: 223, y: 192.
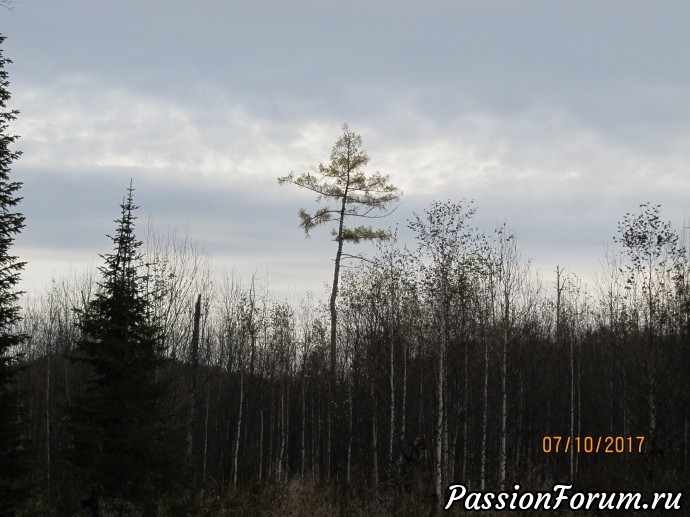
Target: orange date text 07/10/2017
x: 592, y: 444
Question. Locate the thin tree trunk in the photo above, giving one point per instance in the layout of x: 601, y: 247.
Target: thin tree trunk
x: 48, y: 419
x: 519, y: 427
x: 317, y: 442
x: 391, y: 438
x: 579, y: 403
x: 440, y: 425
x: 195, y: 367
x: 686, y: 465
x: 485, y: 414
x: 280, y: 429
x: 421, y: 397
x: 403, y: 412
x: 270, y: 473
x: 374, y: 437
x: 572, y: 405
x: 504, y: 400
x: 208, y: 404
x: 349, y: 434
x: 453, y: 449
x: 239, y: 431
x: 286, y: 432
x: 261, y: 446
x: 304, y: 426
x: 465, y: 418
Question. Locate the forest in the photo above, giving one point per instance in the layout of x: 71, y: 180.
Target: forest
x: 157, y: 385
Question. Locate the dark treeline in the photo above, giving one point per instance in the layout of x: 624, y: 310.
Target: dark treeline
x: 155, y: 385
x: 454, y: 361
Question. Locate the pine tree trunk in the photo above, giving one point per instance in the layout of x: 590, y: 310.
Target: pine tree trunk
x: 332, y: 403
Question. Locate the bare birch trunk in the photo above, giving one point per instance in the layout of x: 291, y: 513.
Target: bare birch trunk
x: 280, y: 429
x: 440, y: 425
x: 239, y: 431
x: 271, y: 424
x: 652, y: 428
x: 286, y: 433
x: 485, y: 415
x: 392, y: 413
x: 452, y: 449
x: 318, y: 443
x: 304, y: 426
x: 579, y: 406
x: 421, y: 405
x: 374, y: 438
x: 48, y: 419
x: 504, y: 401
x: 349, y: 434
x: 572, y: 406
x: 466, y: 404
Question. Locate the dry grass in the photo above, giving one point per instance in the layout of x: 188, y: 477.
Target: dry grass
x: 297, y: 498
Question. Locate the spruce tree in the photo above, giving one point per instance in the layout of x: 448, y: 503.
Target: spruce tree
x: 124, y: 446
x: 13, y: 451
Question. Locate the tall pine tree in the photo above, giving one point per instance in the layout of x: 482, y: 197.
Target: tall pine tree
x: 124, y: 446
x: 13, y: 455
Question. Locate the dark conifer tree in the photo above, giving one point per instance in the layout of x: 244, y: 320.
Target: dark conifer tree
x: 13, y: 450
x: 124, y: 446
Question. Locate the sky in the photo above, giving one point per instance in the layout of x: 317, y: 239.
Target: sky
x: 555, y: 116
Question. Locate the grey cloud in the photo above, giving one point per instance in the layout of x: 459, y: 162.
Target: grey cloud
x: 556, y: 116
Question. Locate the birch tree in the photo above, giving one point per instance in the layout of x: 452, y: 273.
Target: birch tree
x: 508, y: 276
x: 654, y: 265
x: 448, y: 252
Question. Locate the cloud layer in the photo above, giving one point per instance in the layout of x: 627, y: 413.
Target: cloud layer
x: 557, y: 117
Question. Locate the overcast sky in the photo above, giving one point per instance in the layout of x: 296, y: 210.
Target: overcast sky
x: 557, y: 116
